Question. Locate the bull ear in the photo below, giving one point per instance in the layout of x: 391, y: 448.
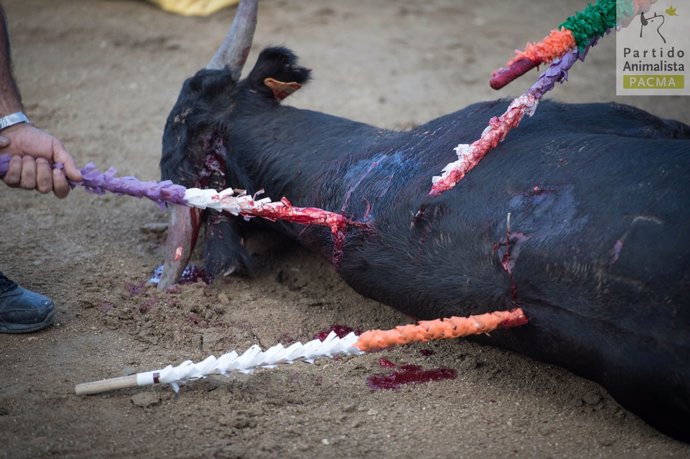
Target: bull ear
x: 277, y: 74
x: 281, y: 89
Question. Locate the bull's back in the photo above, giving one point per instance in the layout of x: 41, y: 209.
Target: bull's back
x: 580, y: 217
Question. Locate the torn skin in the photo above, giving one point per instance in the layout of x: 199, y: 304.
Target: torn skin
x: 508, y: 252
x: 183, y: 232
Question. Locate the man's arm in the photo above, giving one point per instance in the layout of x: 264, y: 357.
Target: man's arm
x: 11, y: 100
x: 32, y: 149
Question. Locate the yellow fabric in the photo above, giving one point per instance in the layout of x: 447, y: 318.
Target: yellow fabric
x: 193, y: 7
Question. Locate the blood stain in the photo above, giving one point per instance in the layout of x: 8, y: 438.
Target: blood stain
x: 191, y: 274
x: 426, y: 352
x: 386, y: 363
x: 409, y: 374
x: 340, y: 331
x: 135, y: 289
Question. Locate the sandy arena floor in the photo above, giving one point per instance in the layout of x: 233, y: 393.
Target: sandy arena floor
x: 102, y: 75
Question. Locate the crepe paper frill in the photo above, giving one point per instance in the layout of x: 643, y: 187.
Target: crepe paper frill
x: 452, y: 327
x: 229, y: 200
x: 576, y: 31
x: 251, y: 359
x: 469, y: 155
x: 349, y: 345
x: 95, y: 181
x: 574, y: 37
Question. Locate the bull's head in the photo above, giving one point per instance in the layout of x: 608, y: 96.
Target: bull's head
x: 194, y: 155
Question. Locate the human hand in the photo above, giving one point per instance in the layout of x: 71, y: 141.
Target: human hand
x: 33, y: 153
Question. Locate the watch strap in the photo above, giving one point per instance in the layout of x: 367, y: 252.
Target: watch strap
x: 12, y: 119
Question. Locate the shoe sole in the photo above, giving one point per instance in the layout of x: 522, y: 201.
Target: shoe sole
x: 28, y: 328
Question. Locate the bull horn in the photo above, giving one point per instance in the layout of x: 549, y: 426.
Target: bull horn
x: 234, y: 50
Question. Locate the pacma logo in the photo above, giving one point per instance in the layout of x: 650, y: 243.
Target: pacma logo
x: 658, y: 20
x: 652, y: 50
x: 653, y: 82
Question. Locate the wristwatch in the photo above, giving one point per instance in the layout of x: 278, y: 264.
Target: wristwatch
x: 12, y: 119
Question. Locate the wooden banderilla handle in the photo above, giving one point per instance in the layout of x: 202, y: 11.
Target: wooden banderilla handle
x: 105, y: 385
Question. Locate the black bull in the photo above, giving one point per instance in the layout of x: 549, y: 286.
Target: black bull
x: 580, y: 217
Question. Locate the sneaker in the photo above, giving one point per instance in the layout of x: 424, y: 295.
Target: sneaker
x: 21, y: 310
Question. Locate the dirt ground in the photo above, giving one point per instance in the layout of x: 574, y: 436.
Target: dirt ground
x: 102, y: 75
